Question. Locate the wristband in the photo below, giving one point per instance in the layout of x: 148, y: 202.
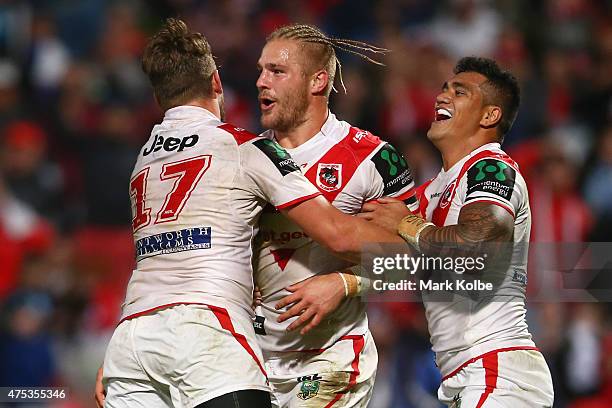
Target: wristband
x: 363, y: 282
x: 418, y: 235
x: 410, y: 229
x: 352, y: 284
x: 346, y: 289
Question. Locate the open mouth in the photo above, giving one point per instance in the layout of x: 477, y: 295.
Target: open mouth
x: 266, y: 103
x: 443, y: 114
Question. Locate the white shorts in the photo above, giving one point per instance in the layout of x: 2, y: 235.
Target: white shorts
x: 517, y: 379
x: 181, y: 356
x: 339, y: 376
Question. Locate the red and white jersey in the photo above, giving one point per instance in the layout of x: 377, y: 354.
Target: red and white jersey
x: 197, y: 190
x: 463, y: 328
x: 349, y: 166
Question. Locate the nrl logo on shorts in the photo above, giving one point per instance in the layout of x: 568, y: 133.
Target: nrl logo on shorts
x: 329, y: 176
x: 308, y: 389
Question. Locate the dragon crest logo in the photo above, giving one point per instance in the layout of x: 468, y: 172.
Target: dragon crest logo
x: 329, y: 176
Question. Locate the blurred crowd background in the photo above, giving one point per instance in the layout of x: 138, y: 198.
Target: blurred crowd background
x: 75, y: 109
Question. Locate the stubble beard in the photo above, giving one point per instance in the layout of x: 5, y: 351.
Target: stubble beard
x: 289, y: 116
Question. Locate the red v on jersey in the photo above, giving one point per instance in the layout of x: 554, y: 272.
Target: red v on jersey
x: 341, y: 162
x: 282, y: 256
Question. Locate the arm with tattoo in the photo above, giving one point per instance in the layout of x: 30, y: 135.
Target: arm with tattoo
x: 479, y: 224
x: 481, y: 228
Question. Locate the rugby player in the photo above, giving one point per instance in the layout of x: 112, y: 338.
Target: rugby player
x: 185, y: 338
x: 478, y: 202
x: 335, y: 363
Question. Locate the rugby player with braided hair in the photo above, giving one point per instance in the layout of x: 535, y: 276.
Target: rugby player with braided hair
x: 331, y: 362
x: 198, y: 188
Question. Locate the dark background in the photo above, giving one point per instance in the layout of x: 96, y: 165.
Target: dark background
x: 75, y: 109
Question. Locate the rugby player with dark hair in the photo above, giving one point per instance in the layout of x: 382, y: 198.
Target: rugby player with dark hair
x: 477, y: 204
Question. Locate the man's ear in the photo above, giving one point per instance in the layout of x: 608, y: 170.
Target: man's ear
x: 319, y: 82
x: 217, y: 87
x: 491, y: 117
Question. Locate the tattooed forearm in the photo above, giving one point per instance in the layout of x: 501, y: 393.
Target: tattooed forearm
x: 480, y: 227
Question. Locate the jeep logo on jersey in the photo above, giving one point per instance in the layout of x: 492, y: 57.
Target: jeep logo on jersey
x: 170, y: 144
x: 329, y: 176
x: 491, y: 176
x: 392, y: 168
x: 279, y: 156
x: 447, y: 195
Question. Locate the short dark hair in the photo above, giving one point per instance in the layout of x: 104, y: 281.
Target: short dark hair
x: 179, y: 64
x: 500, y: 89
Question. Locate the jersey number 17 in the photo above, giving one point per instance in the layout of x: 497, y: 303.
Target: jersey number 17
x: 186, y: 175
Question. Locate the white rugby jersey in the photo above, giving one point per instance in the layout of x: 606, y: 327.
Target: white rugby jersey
x: 349, y: 166
x: 463, y: 328
x: 197, y: 190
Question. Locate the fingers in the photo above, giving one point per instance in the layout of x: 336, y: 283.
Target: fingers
x: 389, y: 200
x: 99, y: 394
x: 295, y: 310
x: 313, y: 323
x: 366, y: 216
x: 256, y: 302
x: 369, y: 206
x: 257, y: 298
x: 298, y: 285
x: 306, y: 316
x: 287, y: 300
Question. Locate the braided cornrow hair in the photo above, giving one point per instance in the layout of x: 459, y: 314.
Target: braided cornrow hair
x: 312, y: 35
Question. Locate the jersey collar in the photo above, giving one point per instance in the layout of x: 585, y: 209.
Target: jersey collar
x: 187, y: 112
x: 459, y: 164
x: 329, y: 126
x: 331, y: 123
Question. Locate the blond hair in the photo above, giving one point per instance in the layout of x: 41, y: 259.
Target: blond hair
x: 321, y: 49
